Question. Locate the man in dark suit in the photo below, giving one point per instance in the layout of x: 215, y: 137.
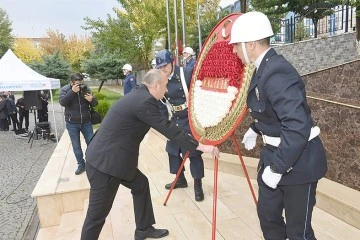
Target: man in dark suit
x: 112, y: 156
x: 293, y: 157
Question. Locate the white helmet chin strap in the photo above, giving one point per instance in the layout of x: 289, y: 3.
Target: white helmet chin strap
x: 245, y: 53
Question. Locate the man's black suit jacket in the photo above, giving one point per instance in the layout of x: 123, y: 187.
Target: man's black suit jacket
x: 114, y: 148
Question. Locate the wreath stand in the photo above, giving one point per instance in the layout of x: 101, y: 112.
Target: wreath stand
x: 216, y: 170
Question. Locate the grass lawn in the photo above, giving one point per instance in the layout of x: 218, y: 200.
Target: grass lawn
x: 111, y: 96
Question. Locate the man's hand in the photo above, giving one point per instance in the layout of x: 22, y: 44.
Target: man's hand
x: 249, y: 139
x: 89, y: 97
x: 271, y: 178
x: 209, y: 149
x: 75, y: 88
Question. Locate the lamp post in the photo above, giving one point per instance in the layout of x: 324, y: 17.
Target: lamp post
x: 168, y: 23
x: 176, y: 34
x: 347, y: 16
x: 198, y: 19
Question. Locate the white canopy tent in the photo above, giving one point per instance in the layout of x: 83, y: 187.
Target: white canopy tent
x: 17, y: 76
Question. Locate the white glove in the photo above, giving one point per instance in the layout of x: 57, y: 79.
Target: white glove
x: 249, y: 139
x: 270, y: 178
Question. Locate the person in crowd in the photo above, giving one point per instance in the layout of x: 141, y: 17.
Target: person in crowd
x: 188, y: 55
x: 112, y: 156
x: 77, y: 98
x: 23, y: 113
x: 174, y: 107
x: 12, y: 96
x: 43, y: 112
x: 130, y: 80
x: 293, y: 158
x: 4, y: 123
x: 12, y: 112
x: 153, y: 63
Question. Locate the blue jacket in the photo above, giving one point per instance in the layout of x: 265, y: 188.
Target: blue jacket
x: 129, y: 83
x: 277, y: 103
x: 190, y: 63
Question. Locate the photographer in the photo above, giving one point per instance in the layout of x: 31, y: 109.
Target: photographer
x: 77, y: 98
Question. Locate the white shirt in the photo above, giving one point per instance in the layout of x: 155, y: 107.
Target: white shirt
x: 260, y: 58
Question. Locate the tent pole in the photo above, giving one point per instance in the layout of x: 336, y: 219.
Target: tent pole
x: 52, y: 105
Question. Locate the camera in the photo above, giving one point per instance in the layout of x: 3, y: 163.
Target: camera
x: 83, y: 89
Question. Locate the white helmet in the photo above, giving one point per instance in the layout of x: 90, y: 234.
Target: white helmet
x: 251, y: 26
x: 153, y: 62
x: 188, y: 50
x: 127, y: 67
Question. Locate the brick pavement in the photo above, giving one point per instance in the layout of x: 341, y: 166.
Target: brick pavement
x: 20, y: 169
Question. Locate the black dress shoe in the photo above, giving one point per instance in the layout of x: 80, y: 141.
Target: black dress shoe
x: 181, y: 183
x: 199, y: 193
x: 151, y: 232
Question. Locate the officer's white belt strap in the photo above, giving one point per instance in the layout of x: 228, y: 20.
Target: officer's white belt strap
x: 275, y: 141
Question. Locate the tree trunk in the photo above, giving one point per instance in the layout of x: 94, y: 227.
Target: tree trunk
x: 358, y: 27
x: 315, y: 21
x: 101, y: 84
x: 243, y: 6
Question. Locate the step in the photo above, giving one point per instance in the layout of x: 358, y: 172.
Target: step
x: 59, y: 190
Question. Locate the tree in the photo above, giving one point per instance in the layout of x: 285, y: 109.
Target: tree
x: 133, y: 32
x: 56, y: 42
x: 356, y: 3
x: 53, y: 66
x: 5, y: 32
x: 209, y: 17
x: 26, y: 50
x: 76, y: 50
x: 104, y: 66
x: 313, y: 9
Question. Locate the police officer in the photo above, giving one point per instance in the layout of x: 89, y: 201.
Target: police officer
x: 188, y: 54
x: 176, y: 109
x: 130, y: 80
x: 293, y: 158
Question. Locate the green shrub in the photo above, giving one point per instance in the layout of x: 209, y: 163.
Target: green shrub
x: 103, y: 107
x: 99, y: 96
x: 63, y: 82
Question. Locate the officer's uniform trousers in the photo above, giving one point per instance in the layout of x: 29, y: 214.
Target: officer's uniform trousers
x: 277, y: 103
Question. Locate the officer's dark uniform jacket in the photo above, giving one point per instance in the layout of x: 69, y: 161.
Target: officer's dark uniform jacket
x: 277, y: 102
x: 129, y: 83
x: 77, y: 108
x: 176, y: 97
x: 190, y: 63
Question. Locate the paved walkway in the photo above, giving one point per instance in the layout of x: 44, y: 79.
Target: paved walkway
x: 20, y: 169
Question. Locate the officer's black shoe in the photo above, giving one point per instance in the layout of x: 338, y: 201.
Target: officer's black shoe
x: 80, y: 169
x: 181, y: 182
x: 199, y: 193
x: 151, y: 232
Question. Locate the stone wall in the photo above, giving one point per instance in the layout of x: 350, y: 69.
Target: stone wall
x: 316, y: 54
x: 334, y: 98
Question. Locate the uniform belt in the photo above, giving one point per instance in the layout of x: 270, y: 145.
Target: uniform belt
x: 275, y: 141
x: 179, y: 107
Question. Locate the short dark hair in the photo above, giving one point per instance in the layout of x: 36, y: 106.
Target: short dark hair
x: 264, y: 41
x: 77, y: 77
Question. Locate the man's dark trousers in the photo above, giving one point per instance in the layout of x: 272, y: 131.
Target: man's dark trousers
x: 103, y: 189
x: 298, y: 202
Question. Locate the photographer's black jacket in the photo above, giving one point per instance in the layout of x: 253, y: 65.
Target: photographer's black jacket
x: 77, y: 108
